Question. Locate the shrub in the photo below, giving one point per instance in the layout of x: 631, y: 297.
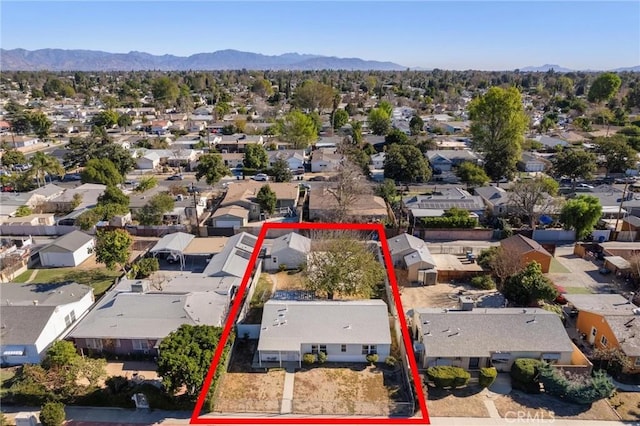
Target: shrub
x: 524, y: 374
x: 52, y: 414
x: 322, y: 357
x: 309, y: 358
x: 488, y: 376
x: 144, y: 267
x: 116, y: 383
x: 576, y: 388
x: 483, y: 282
x: 282, y: 267
x: 448, y: 376
x: 372, y: 358
x: 391, y: 361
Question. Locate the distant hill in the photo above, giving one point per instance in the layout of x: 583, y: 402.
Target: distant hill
x: 558, y: 68
x: 92, y: 60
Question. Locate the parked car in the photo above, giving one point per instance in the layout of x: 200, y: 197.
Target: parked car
x: 7, y: 188
x: 175, y: 177
x: 319, y: 178
x: 585, y: 186
x: 261, y: 177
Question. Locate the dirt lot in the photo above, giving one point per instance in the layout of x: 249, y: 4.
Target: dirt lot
x: 286, y: 281
x: 627, y: 405
x: 550, y: 407
x: 467, y: 402
x: 242, y: 391
x: 439, y: 295
x: 357, y: 390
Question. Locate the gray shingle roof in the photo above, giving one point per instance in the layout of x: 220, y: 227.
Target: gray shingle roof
x: 627, y: 331
x: 293, y: 241
x: 22, y: 325
x: 610, y: 304
x: 480, y: 332
x: 234, y: 258
x: 411, y: 248
x: 71, y: 241
x: 13, y: 294
x: 288, y: 324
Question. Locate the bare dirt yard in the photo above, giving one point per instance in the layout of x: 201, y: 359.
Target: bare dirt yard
x: 627, y: 405
x: 358, y: 389
x: 465, y: 402
x: 550, y: 407
x: 287, y: 281
x: 243, y: 391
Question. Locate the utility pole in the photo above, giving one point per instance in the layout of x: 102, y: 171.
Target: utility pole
x: 195, y: 208
x: 624, y: 191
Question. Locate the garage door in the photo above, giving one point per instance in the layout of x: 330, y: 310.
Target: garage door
x: 227, y: 224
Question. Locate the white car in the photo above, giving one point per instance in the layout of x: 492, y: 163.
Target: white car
x: 584, y: 185
x: 261, y: 177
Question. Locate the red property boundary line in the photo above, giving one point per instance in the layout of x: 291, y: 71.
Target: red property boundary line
x: 195, y: 419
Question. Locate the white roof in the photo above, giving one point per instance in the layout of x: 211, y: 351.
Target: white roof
x: 291, y: 241
x: 288, y: 324
x: 176, y: 242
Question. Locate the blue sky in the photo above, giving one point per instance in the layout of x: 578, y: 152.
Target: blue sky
x: 448, y: 35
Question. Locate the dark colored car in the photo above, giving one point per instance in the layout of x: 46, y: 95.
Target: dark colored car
x: 175, y: 177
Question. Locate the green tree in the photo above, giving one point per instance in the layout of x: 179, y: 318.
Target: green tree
x: 498, y: 127
x: 62, y: 353
x: 255, y: 156
x: 81, y: 150
x: 212, y: 168
x: 339, y: 118
x: 262, y: 87
x: 386, y: 107
x: 529, y: 286
x: 472, y: 174
x: 387, y: 190
x: 405, y: 163
x: 267, y: 199
x: 146, y: 183
x: 23, y: 211
x: 619, y: 155
x: 52, y: 414
x: 119, y: 156
x: 581, y: 213
x: 107, y: 118
x: 113, y: 195
x: 165, y: 91
x: 113, y: 248
x: 313, y: 96
x: 379, y: 121
x: 185, y: 357
x: 574, y: 164
x: 43, y: 165
x: 345, y: 266
x: 152, y: 212
x: 396, y: 136
x: 12, y: 156
x: 534, y: 197
x: 298, y: 129
x: 125, y: 121
x: 102, y: 171
x: 40, y: 123
x: 280, y: 171
x: 604, y: 87
x: 416, y: 125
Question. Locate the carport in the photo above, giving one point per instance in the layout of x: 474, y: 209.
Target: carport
x: 173, y: 244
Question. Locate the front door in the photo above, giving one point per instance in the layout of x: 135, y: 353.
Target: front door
x: 474, y: 363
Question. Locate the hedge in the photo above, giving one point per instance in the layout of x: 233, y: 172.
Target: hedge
x: 309, y: 359
x: 524, y: 374
x: 483, y: 282
x: 487, y: 376
x: 447, y: 376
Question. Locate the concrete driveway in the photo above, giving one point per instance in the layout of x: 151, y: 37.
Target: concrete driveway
x: 583, y: 274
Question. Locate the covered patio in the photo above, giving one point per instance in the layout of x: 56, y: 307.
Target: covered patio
x: 174, y: 244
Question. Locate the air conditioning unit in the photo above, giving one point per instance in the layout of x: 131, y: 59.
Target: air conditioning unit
x: 146, y: 351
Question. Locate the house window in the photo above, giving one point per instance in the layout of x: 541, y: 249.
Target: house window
x: 604, y: 341
x: 343, y: 348
x: 369, y: 349
x: 594, y: 331
x: 323, y: 348
x: 70, y: 318
x: 140, y: 345
x: 637, y: 363
x: 314, y: 349
x: 94, y: 343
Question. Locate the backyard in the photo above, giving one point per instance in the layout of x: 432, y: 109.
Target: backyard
x: 354, y: 389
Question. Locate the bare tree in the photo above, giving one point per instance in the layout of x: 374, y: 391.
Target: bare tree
x: 534, y: 197
x: 502, y: 263
x: 349, y: 184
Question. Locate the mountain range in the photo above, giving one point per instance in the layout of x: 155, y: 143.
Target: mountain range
x: 558, y: 68
x: 92, y: 60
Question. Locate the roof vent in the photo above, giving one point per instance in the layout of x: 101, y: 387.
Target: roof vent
x: 35, y: 303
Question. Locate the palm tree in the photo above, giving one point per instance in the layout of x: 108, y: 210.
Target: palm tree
x: 43, y: 164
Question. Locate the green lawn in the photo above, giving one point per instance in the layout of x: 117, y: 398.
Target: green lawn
x: 557, y: 268
x: 262, y: 292
x: 578, y: 290
x: 100, y: 279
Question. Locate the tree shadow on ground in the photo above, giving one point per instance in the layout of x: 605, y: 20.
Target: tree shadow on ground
x: 438, y: 393
x: 548, y: 402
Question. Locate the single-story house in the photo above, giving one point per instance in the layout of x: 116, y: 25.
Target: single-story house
x: 36, y: 315
x: 445, y: 159
x: 438, y: 203
x: 322, y: 161
x: 294, y: 158
x: 473, y: 339
x: 532, y: 163
x: 68, y: 250
x: 550, y: 142
x: 495, y: 198
x: 346, y: 331
x: 134, y: 317
x: 19, y: 141
x: 148, y: 161
x: 456, y: 126
x: 364, y: 208
x: 412, y: 254
x: 290, y: 250
x: 233, y: 260
x: 243, y: 193
x: 609, y: 321
x: 233, y: 160
x: 527, y: 250
x: 88, y: 193
x: 160, y: 127
x: 230, y: 217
